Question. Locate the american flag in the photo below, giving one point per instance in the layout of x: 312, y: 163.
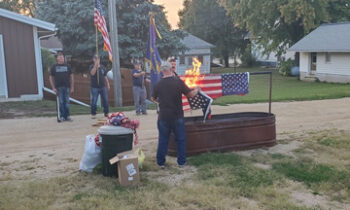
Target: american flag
x: 100, y: 22
x: 216, y: 86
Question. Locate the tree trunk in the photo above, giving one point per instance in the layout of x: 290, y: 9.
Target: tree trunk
x: 226, y: 58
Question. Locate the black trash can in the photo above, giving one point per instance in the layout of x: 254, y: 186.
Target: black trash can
x: 115, y: 139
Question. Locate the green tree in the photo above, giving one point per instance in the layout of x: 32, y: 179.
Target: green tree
x: 26, y: 7
x: 74, y: 19
x: 278, y: 24
x: 209, y: 21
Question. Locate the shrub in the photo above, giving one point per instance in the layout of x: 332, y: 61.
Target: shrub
x: 286, y: 67
x: 248, y: 59
x: 47, y: 59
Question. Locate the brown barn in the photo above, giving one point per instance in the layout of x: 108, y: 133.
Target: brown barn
x: 21, y: 75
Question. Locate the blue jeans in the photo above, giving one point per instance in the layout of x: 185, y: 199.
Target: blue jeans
x: 104, y: 97
x: 164, y: 129
x: 140, y: 95
x: 63, y: 98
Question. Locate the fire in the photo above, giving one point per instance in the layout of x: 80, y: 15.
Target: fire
x: 193, y: 75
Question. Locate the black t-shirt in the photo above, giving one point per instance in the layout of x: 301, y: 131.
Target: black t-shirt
x: 61, y: 73
x: 137, y: 81
x: 168, y: 91
x: 102, y: 73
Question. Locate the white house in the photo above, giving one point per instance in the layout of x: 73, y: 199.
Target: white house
x: 196, y: 48
x: 325, y: 53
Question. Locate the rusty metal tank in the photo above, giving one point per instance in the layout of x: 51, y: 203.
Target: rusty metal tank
x: 228, y: 132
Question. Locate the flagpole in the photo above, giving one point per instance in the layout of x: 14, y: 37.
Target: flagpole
x: 97, y: 71
x: 118, y: 93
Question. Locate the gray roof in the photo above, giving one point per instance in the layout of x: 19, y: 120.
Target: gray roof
x: 27, y: 20
x: 326, y: 38
x: 194, y: 42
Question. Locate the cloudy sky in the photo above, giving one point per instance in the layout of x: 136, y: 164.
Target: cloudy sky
x: 171, y: 7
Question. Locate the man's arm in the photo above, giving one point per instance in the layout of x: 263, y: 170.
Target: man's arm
x: 52, y: 83
x: 107, y: 83
x: 137, y: 75
x: 95, y: 67
x: 71, y: 83
x: 193, y: 93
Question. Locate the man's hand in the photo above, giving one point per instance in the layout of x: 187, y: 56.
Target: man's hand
x: 143, y: 73
x: 72, y: 90
x: 55, y: 90
x: 97, y: 63
x: 193, y: 93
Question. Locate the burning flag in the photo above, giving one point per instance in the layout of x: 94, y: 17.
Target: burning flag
x: 213, y: 85
x: 202, y: 100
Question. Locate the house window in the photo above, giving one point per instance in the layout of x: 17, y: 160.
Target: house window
x: 189, y: 61
x: 182, y: 60
x: 313, y: 61
x: 200, y: 58
x: 328, y: 57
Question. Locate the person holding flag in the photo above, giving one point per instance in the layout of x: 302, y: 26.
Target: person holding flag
x: 153, y: 60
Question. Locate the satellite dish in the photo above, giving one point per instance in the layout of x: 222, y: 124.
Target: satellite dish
x: 110, y: 75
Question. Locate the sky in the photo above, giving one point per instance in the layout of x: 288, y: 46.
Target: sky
x: 171, y: 7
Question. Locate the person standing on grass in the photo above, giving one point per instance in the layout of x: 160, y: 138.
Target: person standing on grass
x: 62, y: 82
x: 99, y: 86
x: 139, y: 89
x: 168, y: 93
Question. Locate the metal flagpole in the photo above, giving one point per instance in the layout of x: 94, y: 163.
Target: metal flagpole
x: 113, y: 26
x: 97, y: 71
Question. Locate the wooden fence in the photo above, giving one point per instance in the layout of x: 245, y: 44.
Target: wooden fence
x: 82, y: 88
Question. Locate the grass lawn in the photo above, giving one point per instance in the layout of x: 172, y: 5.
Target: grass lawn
x: 284, y: 88
x: 316, y: 175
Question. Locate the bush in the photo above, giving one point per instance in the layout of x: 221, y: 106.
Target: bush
x: 286, y: 67
x: 47, y: 59
x: 248, y: 59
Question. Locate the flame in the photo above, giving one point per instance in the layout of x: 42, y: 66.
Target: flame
x: 193, y: 75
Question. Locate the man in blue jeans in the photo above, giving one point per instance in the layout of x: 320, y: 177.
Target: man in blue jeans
x: 139, y: 88
x: 168, y: 93
x: 99, y: 86
x: 62, y: 82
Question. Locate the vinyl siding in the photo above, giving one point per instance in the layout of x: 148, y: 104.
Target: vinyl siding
x: 339, y: 64
x: 19, y: 58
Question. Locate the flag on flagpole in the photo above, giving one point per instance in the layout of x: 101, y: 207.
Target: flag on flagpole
x: 153, y: 60
x: 100, y: 22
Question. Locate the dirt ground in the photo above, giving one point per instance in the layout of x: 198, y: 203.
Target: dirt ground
x: 40, y: 148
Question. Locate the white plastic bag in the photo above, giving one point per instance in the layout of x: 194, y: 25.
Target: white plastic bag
x: 92, y: 155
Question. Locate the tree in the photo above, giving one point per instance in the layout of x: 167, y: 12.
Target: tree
x: 26, y: 7
x: 74, y: 19
x: 209, y: 21
x: 278, y: 24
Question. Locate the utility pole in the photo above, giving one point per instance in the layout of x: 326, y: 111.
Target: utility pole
x: 113, y: 26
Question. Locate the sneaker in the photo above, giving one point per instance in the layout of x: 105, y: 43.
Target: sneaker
x: 68, y: 119
x: 138, y: 114
x: 61, y: 119
x: 144, y: 113
x: 181, y: 166
x: 93, y: 117
x: 106, y: 115
x: 162, y: 167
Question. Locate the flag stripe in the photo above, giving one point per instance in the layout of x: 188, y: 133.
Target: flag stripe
x: 100, y: 22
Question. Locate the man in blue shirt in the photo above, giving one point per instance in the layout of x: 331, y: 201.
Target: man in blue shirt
x: 139, y: 89
x: 99, y: 86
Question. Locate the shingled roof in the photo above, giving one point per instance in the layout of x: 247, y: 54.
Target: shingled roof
x: 194, y: 42
x: 326, y: 38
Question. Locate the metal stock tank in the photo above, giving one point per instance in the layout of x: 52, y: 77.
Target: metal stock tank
x: 228, y: 132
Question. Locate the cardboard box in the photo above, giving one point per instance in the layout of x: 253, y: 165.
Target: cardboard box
x: 128, y: 168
